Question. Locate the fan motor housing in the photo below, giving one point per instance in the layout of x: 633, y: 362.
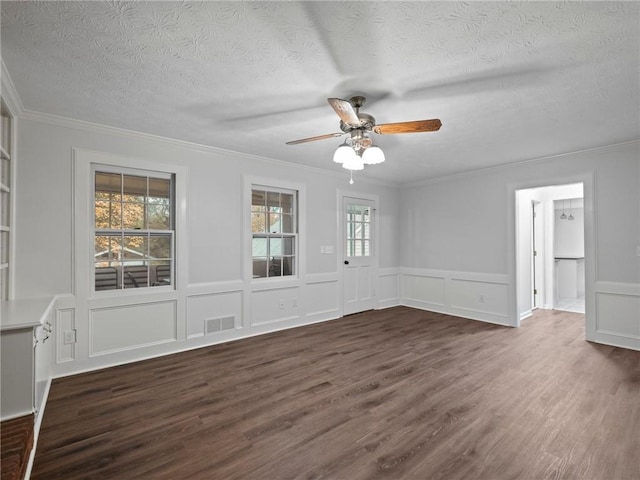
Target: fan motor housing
x: 366, y: 123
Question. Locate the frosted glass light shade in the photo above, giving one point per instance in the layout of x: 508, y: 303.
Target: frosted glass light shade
x: 344, y: 152
x: 373, y: 155
x: 353, y: 163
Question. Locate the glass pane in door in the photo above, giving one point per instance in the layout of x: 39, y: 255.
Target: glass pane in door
x: 358, y: 221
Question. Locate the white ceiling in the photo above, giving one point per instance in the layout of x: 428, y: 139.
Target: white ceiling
x: 510, y: 81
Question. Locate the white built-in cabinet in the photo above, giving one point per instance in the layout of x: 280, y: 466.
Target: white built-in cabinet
x: 25, y: 350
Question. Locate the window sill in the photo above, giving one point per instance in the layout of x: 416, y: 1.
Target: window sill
x: 132, y: 292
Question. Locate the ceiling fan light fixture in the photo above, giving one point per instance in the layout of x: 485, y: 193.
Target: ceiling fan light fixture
x: 373, y: 155
x: 353, y: 163
x: 343, y: 152
x: 359, y: 150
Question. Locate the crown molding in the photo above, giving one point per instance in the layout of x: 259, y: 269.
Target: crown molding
x: 9, y: 93
x: 105, y: 129
x: 108, y: 130
x: 506, y: 166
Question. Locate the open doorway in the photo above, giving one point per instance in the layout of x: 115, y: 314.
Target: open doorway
x: 568, y: 252
x: 550, y: 249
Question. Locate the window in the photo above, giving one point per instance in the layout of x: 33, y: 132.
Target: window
x: 134, y: 229
x: 358, y: 230
x: 274, y: 230
x: 5, y: 200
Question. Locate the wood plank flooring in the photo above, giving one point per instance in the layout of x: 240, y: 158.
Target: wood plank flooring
x: 391, y: 394
x: 16, y: 443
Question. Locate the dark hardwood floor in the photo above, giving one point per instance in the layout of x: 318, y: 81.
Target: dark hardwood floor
x: 16, y: 443
x: 391, y: 394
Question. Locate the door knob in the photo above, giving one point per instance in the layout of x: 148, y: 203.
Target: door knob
x: 346, y: 262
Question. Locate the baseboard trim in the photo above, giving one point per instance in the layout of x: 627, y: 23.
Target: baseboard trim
x: 526, y: 314
x: 467, y: 314
x: 36, y: 428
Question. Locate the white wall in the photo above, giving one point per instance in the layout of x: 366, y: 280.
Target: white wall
x: 446, y: 245
x: 464, y: 226
x: 568, y: 238
x: 215, y: 284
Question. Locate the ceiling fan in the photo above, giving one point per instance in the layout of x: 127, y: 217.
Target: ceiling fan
x: 358, y: 123
x: 358, y: 150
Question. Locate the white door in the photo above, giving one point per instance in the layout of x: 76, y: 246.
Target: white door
x: 359, y: 254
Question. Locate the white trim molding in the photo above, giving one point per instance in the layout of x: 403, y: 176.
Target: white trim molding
x: 9, y: 93
x: 477, y: 296
x: 588, y: 180
x: 616, y: 315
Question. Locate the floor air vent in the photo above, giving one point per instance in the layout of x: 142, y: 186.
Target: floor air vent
x: 214, y: 325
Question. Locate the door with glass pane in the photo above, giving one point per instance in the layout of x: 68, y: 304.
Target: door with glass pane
x: 359, y: 254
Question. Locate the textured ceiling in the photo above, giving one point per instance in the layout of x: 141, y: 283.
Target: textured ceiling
x: 510, y: 81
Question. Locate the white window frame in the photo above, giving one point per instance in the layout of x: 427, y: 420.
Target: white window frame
x: 274, y: 235
x: 275, y: 185
x: 101, y: 168
x: 361, y: 233
x: 83, y: 273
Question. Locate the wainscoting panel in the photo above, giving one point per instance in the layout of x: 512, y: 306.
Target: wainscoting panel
x: 320, y: 299
x: 388, y: 291
x: 423, y: 290
x: 204, y: 307
x: 274, y: 305
x: 114, y: 329
x: 617, y: 314
x: 476, y: 296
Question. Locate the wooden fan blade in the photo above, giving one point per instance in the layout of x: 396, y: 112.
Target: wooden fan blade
x: 409, y: 127
x: 345, y: 111
x: 313, y: 139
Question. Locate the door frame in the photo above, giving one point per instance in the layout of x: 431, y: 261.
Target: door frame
x: 538, y: 255
x: 590, y: 264
x: 341, y: 250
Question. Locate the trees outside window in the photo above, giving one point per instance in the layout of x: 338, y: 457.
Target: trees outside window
x: 134, y: 230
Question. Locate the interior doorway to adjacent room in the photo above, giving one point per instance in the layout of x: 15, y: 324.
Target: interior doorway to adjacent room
x: 550, y: 258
